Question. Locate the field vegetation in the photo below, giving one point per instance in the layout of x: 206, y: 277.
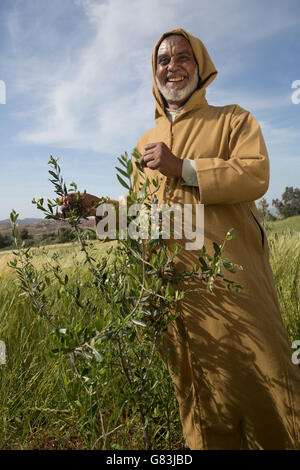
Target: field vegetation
x: 49, y: 400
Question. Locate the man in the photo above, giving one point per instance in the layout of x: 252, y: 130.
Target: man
x: 229, y: 355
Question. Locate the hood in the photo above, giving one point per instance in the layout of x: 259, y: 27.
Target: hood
x: 207, y: 72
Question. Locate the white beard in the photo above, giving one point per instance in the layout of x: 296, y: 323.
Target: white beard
x: 179, y: 95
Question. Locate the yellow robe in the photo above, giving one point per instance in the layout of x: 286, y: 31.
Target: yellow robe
x: 229, y: 354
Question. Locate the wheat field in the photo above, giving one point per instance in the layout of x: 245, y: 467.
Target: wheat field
x: 43, y: 405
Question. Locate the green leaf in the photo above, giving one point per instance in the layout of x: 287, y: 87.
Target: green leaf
x: 123, y: 182
x: 13, y: 216
x: 53, y: 174
x: 169, y: 290
x: 122, y: 162
x: 217, y: 248
x: 130, y: 168
x: 203, y: 262
x: 139, y: 166
x: 136, y: 154
x: 228, y: 265
x: 142, y: 192
x: 122, y: 172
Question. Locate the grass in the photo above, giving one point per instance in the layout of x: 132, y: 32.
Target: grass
x: 68, y: 252
x: 285, y: 262
x: 291, y: 224
x: 43, y: 405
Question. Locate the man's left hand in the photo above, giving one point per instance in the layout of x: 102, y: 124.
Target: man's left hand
x: 158, y: 156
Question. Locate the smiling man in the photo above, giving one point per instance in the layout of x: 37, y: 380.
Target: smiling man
x: 228, y: 354
x: 177, y: 71
x: 177, y: 77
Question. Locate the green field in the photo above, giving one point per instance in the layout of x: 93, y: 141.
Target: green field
x: 291, y: 223
x: 44, y: 405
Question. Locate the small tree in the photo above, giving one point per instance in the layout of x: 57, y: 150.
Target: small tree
x: 24, y: 234
x: 264, y: 212
x: 5, y: 241
x: 140, y: 287
x: 289, y: 206
x: 65, y: 235
x: 89, y: 234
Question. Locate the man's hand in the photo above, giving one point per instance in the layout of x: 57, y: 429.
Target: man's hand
x: 86, y: 210
x: 158, y: 156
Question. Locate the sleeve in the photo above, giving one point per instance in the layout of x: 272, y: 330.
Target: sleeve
x: 244, y: 176
x: 189, y: 174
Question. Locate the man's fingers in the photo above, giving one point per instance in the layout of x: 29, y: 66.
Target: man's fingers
x: 69, y: 199
x: 153, y: 165
x: 66, y: 203
x: 146, y: 158
x: 151, y: 146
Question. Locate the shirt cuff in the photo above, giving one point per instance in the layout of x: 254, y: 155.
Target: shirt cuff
x: 189, y: 173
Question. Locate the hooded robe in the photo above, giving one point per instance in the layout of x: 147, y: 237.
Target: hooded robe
x: 228, y: 354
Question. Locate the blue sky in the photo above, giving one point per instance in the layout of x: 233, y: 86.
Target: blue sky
x: 78, y: 84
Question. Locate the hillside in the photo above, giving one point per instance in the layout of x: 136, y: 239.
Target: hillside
x: 41, y: 226
x: 31, y: 220
x: 291, y: 224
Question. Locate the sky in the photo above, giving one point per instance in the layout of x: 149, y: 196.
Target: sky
x: 75, y: 83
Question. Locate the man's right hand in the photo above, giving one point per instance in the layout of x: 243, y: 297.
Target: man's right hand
x: 86, y: 204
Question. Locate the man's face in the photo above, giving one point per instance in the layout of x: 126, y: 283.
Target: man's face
x: 176, y: 70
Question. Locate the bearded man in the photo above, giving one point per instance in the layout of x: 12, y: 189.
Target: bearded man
x: 229, y: 355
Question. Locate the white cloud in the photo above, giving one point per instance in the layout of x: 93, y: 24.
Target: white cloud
x: 78, y: 76
x: 282, y: 142
x: 98, y: 96
x: 105, y: 100
x: 247, y: 99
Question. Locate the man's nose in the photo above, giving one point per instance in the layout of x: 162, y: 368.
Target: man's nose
x: 172, y: 65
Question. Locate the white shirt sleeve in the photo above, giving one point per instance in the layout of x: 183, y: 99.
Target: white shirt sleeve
x: 189, y: 173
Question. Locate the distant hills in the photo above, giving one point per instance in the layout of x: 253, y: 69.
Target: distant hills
x: 22, y: 221
x: 39, y: 226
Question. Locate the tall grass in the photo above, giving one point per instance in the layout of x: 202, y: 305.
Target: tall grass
x: 289, y: 224
x: 285, y: 262
x: 44, y: 405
